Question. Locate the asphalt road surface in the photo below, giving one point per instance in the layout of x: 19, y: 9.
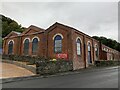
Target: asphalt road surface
x: 93, y: 79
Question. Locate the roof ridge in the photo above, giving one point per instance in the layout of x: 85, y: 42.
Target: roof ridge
x: 16, y: 32
x: 72, y: 28
x: 35, y: 27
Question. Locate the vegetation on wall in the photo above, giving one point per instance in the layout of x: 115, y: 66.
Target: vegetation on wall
x: 108, y: 42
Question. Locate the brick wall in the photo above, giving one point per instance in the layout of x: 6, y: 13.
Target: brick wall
x: 69, y: 46
x: 15, y: 46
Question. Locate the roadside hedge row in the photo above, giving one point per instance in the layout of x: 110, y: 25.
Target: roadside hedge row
x: 107, y: 63
x: 29, y: 59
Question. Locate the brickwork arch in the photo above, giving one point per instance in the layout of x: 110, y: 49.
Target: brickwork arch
x: 10, y: 41
x: 79, y: 38
x: 35, y: 37
x: 57, y: 34
x: 89, y: 43
x: 26, y: 39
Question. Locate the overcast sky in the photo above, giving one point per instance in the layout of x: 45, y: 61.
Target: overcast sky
x: 92, y: 18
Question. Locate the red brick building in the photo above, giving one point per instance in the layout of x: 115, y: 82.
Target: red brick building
x: 58, y: 41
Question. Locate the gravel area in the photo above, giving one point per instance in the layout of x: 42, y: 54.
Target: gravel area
x: 11, y: 70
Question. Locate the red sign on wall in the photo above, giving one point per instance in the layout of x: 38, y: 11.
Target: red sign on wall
x: 62, y: 56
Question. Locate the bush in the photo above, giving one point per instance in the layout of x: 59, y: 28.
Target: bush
x: 5, y: 56
x: 29, y: 59
x: 107, y: 63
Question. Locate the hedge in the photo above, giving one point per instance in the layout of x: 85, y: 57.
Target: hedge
x: 107, y: 63
x: 29, y: 59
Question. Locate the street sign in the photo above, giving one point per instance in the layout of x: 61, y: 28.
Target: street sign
x: 62, y: 56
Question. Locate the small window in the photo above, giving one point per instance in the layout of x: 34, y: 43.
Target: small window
x: 34, y: 46
x: 58, y: 44
x: 78, y: 47
x: 10, y: 47
x: 26, y: 47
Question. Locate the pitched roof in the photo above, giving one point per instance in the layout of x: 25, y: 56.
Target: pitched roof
x: 69, y: 28
x: 16, y: 32
x: 37, y: 29
x: 13, y: 32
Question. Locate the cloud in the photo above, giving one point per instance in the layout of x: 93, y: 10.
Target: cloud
x: 92, y: 18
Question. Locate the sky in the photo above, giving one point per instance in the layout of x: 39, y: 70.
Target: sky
x: 92, y: 18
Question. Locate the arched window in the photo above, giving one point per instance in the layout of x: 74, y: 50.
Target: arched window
x: 78, y: 47
x: 89, y: 53
x: 58, y: 44
x: 89, y: 47
x: 96, y: 51
x: 10, y: 47
x: 34, y: 46
x: 26, y: 46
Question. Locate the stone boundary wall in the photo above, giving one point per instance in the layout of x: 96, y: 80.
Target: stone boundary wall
x: 52, y: 67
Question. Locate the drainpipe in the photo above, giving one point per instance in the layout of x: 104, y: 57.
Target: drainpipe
x: 20, y: 45
x: 4, y: 46
x: 93, y: 50
x: 45, y: 41
x: 84, y: 47
x: 100, y: 51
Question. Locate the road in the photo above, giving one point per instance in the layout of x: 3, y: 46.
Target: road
x: 93, y: 79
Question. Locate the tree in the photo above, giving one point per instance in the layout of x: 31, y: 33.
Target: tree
x: 9, y: 25
x: 108, y: 42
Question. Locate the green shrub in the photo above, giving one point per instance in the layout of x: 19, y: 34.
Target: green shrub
x: 29, y: 59
x: 107, y: 63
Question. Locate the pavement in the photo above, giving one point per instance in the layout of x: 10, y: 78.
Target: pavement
x: 12, y: 71
x: 105, y: 77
